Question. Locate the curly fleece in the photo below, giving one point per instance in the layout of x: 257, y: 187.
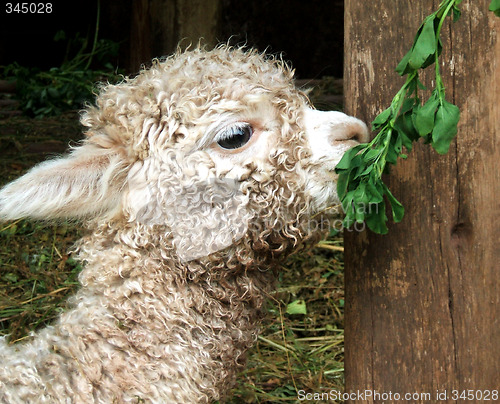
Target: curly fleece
x: 184, y: 241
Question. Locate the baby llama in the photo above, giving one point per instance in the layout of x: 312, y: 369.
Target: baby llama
x: 195, y: 179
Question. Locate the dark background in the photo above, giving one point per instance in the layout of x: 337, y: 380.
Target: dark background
x: 309, y: 34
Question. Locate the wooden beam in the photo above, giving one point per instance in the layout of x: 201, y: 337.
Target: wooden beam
x: 423, y: 302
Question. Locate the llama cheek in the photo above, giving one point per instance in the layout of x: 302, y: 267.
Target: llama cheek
x: 322, y: 195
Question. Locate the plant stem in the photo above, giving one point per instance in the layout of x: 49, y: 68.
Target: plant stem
x: 401, y: 96
x: 386, y: 131
x: 446, y: 6
x: 96, y: 34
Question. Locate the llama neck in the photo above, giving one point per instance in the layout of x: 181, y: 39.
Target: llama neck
x: 143, y: 326
x: 185, y: 321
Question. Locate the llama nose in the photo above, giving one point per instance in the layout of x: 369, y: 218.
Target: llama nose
x: 332, y: 132
x: 350, y: 129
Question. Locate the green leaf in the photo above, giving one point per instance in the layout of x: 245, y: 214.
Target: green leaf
x: 495, y: 7
x: 296, y: 307
x: 364, y: 170
x: 359, y: 213
x: 456, y: 13
x: 360, y: 195
x: 402, y: 68
x: 375, y: 195
x: 425, y: 44
x: 398, y: 210
x: 345, y: 162
x: 432, y: 58
x: 445, y: 128
x: 406, y: 129
x: 376, y: 219
x: 371, y: 155
x: 343, y: 183
x: 410, y: 102
x: 392, y: 153
x: 382, y: 118
x: 53, y: 92
x: 425, y: 116
x: 421, y: 54
x: 406, y: 141
x: 10, y: 277
x: 347, y: 203
x: 396, y: 141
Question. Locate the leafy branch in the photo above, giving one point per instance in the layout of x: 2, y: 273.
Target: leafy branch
x: 360, y: 186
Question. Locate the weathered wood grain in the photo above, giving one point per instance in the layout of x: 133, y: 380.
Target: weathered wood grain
x: 423, y: 302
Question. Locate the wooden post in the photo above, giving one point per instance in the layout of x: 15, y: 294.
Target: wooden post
x: 159, y: 25
x: 423, y: 302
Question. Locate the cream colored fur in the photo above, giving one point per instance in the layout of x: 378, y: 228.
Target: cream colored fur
x: 184, y: 234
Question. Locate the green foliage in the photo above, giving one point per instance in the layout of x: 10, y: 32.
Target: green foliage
x: 360, y: 186
x: 296, y: 307
x: 45, y: 93
x: 495, y: 7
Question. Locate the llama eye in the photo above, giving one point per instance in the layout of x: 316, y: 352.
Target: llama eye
x: 235, y: 137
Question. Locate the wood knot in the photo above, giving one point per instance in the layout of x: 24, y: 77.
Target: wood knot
x: 461, y: 234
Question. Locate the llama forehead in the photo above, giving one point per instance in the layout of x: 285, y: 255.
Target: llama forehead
x: 225, y: 66
x: 187, y: 93
x: 221, y: 85
x: 203, y: 91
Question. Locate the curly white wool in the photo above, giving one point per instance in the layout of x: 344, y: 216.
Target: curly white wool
x: 185, y: 235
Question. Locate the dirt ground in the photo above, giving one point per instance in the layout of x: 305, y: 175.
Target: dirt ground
x: 25, y: 141
x: 36, y: 272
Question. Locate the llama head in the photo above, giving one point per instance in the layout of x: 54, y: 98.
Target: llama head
x: 218, y: 147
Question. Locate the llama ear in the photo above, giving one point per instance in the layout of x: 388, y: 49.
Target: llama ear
x: 86, y: 183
